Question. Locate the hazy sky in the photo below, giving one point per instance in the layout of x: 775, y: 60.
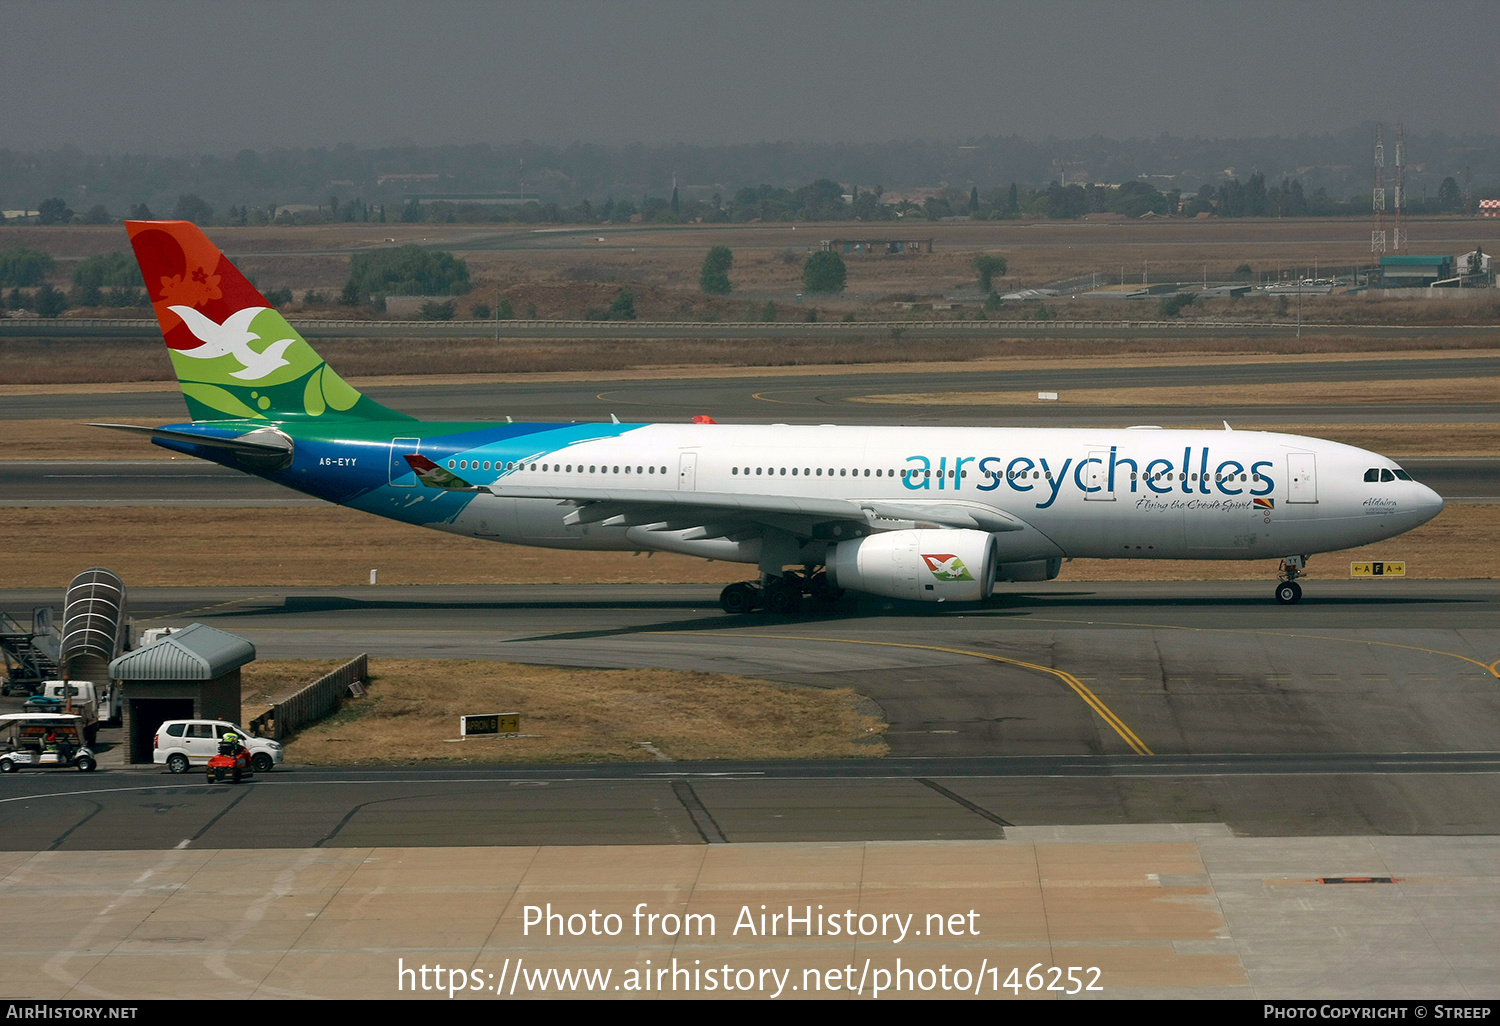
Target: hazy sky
x: 171, y: 76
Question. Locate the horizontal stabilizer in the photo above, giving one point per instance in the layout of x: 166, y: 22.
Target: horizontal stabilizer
x: 266, y: 442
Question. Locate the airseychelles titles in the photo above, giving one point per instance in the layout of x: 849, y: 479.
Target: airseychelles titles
x: 1200, y: 473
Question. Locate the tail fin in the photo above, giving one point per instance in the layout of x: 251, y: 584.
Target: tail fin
x: 235, y: 356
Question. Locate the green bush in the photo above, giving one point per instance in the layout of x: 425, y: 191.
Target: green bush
x: 824, y: 272
x: 109, y: 270
x: 989, y: 267
x: 407, y: 271
x: 714, y: 278
x: 23, y: 266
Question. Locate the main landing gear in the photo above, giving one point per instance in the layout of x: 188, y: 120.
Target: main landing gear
x: 781, y: 595
x: 1287, y: 589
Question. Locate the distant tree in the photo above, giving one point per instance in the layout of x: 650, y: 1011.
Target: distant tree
x: 768, y: 312
x: 505, y: 312
x: 1013, y: 199
x: 15, y: 300
x: 108, y: 270
x: 54, y: 211
x: 407, y: 271
x: 480, y: 312
x: 1172, y: 306
x: 312, y: 297
x: 278, y: 297
x: 1448, y: 197
x: 988, y: 267
x: 86, y: 295
x: 714, y: 278
x: 676, y: 205
x: 412, y: 212
x: 141, y: 212
x: 50, y: 302
x: 23, y: 266
x: 1244, y: 272
x: 974, y: 199
x: 824, y: 272
x: 97, y: 214
x: 191, y: 207
x: 623, y: 308
x: 435, y: 311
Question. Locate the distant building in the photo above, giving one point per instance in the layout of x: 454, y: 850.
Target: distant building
x: 878, y: 247
x: 484, y: 199
x: 1414, y: 272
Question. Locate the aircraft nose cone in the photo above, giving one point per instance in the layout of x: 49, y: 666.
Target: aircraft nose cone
x: 1429, y: 502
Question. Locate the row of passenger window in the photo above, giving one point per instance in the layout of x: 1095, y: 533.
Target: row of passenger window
x: 810, y: 472
x: 592, y: 468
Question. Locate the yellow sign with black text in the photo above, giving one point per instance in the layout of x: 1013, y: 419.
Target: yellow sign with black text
x: 490, y: 723
x: 1386, y: 568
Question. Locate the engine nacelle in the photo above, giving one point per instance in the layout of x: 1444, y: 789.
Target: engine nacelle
x: 1031, y: 570
x: 923, y: 566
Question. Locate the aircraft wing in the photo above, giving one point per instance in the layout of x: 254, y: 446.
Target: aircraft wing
x: 729, y: 513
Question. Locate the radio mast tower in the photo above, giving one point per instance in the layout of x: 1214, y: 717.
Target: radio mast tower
x: 1398, y: 239
x: 1377, y: 232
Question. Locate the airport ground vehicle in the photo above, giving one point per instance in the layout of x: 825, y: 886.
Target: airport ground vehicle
x: 85, y: 702
x: 44, y: 740
x: 232, y: 762
x: 181, y: 744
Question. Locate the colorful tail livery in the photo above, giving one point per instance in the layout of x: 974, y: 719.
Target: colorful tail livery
x: 928, y: 514
x: 236, y: 356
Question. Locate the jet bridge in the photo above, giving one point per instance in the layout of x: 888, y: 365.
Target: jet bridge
x: 95, y: 630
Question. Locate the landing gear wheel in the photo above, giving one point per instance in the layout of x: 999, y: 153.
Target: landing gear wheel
x: 782, y: 598
x: 1288, y: 592
x: 739, y: 598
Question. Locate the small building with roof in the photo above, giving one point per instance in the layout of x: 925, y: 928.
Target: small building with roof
x: 193, y: 673
x: 1414, y: 272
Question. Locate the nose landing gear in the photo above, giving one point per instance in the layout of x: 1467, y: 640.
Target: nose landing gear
x: 1288, y: 590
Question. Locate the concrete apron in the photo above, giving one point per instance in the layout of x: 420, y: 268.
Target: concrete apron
x: 1158, y: 911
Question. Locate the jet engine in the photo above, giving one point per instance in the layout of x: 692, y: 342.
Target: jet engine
x: 924, y: 566
x: 1031, y: 570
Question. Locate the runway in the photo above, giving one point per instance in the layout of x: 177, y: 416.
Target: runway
x: 820, y: 398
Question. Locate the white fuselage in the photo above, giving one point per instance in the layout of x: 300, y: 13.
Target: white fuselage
x: 1126, y: 493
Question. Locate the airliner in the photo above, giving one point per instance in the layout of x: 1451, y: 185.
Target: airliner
x: 927, y: 514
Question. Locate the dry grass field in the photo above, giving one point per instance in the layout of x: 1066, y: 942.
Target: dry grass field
x: 310, y: 546
x: 565, y: 273
x: 411, y: 714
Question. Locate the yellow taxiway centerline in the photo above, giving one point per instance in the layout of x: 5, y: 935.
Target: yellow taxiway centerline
x: 1091, y: 699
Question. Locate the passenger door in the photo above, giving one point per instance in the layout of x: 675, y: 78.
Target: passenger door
x: 199, y: 742
x: 1301, y: 477
x: 401, y: 474
x: 1096, y: 477
x: 687, y: 472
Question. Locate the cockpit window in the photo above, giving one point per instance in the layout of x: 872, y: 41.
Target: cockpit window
x: 1402, y: 475
x: 1386, y: 475
x: 1372, y: 474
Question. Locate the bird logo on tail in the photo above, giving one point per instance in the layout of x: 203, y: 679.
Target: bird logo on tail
x: 233, y: 338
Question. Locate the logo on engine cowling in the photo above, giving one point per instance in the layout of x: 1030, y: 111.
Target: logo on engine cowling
x: 947, y: 567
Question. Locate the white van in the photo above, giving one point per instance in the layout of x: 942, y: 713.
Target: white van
x: 181, y: 744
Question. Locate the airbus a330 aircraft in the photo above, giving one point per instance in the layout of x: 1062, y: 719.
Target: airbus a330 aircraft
x: 928, y: 514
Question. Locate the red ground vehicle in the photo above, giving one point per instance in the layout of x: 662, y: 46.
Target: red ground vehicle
x: 232, y: 763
